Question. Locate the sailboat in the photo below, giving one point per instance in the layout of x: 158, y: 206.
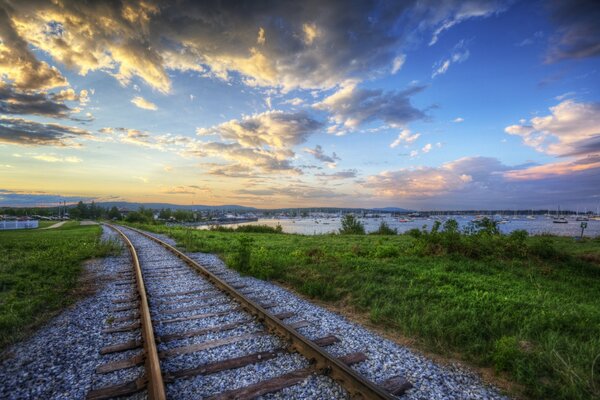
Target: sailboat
x: 560, y: 219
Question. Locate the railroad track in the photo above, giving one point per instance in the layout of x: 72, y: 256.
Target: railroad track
x: 163, y: 323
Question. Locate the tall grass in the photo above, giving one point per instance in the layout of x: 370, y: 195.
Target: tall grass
x: 38, y: 270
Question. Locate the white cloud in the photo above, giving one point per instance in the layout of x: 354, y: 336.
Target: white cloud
x: 53, y: 158
x: 572, y: 128
x: 398, y: 63
x: 140, y: 102
x: 405, y: 136
x: 427, y: 148
x: 458, y: 120
x: 459, y: 54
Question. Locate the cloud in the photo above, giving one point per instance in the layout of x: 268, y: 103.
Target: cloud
x: 300, y: 191
x: 13, y: 198
x: 16, y: 102
x: 18, y: 64
x: 578, y: 31
x: 296, y: 101
x: 262, y: 141
x: 30, y: 133
x: 447, y: 14
x: 267, y: 44
x: 140, y: 102
x: 346, y: 174
x: 186, y: 190
x: 427, y: 148
x: 458, y: 120
x: 591, y: 162
x: 245, y: 159
x: 351, y: 106
x: 276, y: 129
x: 405, y: 136
x: 53, y: 158
x: 318, y: 153
x: 233, y: 171
x: 459, y: 54
x: 397, y: 63
x: 484, y: 182
x: 572, y: 128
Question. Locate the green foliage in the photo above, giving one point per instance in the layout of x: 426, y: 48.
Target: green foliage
x: 38, y: 270
x: 351, y: 226
x: 527, y: 306
x: 114, y: 213
x: 244, y: 251
x: 248, y: 228
x: 384, y: 229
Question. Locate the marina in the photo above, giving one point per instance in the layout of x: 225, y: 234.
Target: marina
x: 536, y: 226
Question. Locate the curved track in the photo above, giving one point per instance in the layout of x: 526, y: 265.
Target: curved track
x: 214, y: 297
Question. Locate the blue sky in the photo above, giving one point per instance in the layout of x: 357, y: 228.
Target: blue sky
x: 454, y: 104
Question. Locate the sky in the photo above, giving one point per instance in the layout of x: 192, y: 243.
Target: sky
x: 416, y: 104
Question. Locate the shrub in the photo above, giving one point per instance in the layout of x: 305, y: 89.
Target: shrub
x: 242, y: 259
x: 352, y: 226
x: 384, y: 229
x: 248, y: 229
x: 415, y: 232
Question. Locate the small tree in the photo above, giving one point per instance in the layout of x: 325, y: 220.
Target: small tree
x: 114, y: 213
x: 351, y: 226
x: 384, y: 229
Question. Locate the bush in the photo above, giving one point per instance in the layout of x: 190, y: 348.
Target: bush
x: 384, y: 229
x: 352, y: 226
x: 248, y: 229
x: 136, y: 216
x: 242, y: 256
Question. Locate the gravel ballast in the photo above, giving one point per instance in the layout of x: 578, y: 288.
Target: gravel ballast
x: 59, y: 361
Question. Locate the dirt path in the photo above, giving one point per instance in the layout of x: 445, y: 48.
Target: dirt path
x: 56, y: 225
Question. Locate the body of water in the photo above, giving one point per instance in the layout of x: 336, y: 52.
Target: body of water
x: 313, y: 226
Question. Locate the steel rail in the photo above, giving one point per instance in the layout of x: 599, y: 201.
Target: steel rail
x: 155, y: 384
x: 323, y: 361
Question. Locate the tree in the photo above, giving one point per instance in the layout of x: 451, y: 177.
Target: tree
x: 351, y: 226
x: 114, y: 213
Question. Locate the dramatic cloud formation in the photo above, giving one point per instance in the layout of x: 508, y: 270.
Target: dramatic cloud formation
x: 17, y: 63
x: 578, y: 33
x: 30, y: 133
x: 572, y: 129
x: 351, y: 106
x: 18, y: 102
x: 271, y: 44
x: 261, y: 140
x: 276, y: 129
x: 140, y: 102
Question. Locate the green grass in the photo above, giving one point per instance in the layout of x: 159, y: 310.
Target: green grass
x: 534, y: 317
x: 38, y: 271
x: 45, y: 224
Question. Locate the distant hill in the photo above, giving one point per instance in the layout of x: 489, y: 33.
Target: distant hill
x: 158, y: 206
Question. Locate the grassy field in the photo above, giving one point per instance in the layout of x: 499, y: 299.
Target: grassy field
x: 38, y: 270
x: 527, y: 307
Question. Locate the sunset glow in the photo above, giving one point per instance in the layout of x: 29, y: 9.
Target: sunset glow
x: 423, y: 105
